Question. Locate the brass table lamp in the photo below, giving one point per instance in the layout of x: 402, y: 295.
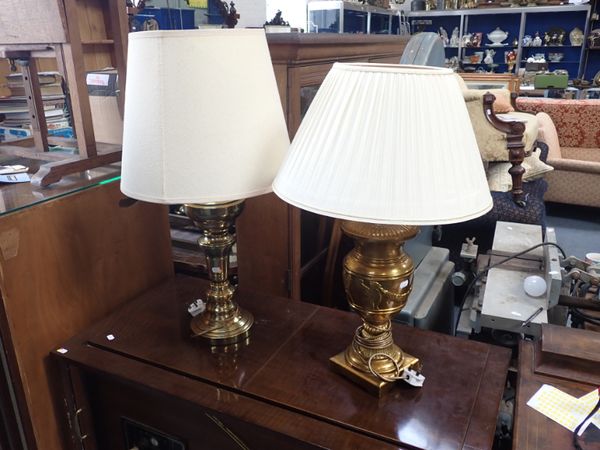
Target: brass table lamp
x: 204, y: 127
x: 385, y: 148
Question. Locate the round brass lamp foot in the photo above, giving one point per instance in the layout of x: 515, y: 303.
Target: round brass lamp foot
x: 223, y: 332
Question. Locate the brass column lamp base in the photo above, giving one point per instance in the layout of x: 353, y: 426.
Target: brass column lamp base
x: 223, y: 322
x: 377, y: 279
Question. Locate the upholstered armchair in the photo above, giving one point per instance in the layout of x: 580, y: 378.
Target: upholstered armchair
x: 571, y: 129
x: 503, y: 134
x: 504, y: 137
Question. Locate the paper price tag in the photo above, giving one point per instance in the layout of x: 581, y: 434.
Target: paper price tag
x: 97, y: 79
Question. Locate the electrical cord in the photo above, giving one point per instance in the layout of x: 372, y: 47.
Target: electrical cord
x: 575, y: 290
x: 502, y: 261
x: 576, y: 444
x: 586, y: 318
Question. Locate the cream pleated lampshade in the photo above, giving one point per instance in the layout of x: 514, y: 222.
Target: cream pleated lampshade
x: 389, y: 144
x: 203, y: 118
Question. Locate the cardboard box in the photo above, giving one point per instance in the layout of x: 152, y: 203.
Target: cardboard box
x: 103, y: 89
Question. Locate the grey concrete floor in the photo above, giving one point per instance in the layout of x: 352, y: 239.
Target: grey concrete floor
x: 577, y: 228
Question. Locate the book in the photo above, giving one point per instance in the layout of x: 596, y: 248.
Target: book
x: 45, y: 89
x: 54, y: 118
x: 22, y: 108
x: 16, y: 79
x: 58, y: 124
x: 4, y: 90
x: 10, y: 134
x: 14, y: 110
x: 50, y: 83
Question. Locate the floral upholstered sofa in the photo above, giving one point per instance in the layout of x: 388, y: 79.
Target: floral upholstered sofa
x: 571, y: 129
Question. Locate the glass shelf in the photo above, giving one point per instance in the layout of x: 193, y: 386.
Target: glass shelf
x: 550, y: 46
x: 491, y: 48
x: 500, y: 47
x: 495, y: 11
x: 17, y: 196
x: 557, y: 62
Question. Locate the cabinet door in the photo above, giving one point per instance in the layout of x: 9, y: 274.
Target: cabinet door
x: 91, y: 256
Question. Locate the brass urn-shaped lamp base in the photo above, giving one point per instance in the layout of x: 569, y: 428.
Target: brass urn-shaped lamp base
x: 377, y: 279
x: 223, y: 321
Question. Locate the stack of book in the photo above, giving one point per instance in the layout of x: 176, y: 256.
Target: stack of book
x: 4, y: 90
x: 15, y: 114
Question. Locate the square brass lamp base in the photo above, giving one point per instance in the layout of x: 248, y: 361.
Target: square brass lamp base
x: 368, y: 381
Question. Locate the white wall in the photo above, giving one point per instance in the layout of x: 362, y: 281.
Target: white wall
x: 293, y: 11
x: 252, y: 13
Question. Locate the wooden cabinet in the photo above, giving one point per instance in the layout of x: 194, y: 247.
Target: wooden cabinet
x: 138, y: 373
x: 566, y: 358
x: 69, y: 255
x: 279, y: 246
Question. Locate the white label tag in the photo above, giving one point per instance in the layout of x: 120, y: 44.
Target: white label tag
x: 97, y: 79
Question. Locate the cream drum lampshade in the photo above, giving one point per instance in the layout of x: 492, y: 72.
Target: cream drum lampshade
x: 386, y: 144
x: 203, y: 118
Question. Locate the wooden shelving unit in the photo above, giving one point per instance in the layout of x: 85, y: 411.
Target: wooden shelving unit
x: 73, y: 37
x: 292, y: 244
x: 518, y: 21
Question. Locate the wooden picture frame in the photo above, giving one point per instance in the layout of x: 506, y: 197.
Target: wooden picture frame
x: 491, y: 81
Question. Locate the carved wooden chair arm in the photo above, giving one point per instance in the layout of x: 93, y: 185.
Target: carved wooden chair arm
x: 514, y: 131
x: 513, y: 101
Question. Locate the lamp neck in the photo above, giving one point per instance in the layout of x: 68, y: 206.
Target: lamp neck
x: 216, y: 220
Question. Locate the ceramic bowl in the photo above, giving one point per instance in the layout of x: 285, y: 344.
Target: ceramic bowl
x: 592, y: 258
x: 555, y: 57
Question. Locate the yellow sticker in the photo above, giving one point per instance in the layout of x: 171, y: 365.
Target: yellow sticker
x: 563, y: 408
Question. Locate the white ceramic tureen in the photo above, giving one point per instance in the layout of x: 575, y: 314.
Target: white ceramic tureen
x: 497, y: 36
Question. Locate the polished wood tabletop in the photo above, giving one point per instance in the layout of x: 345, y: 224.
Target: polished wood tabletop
x: 285, y: 365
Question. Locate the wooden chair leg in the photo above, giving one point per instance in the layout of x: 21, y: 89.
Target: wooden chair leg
x: 514, y: 131
x: 517, y: 155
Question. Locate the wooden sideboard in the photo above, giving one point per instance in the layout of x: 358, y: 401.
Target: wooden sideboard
x: 139, y: 372
x: 292, y: 243
x: 69, y: 255
x: 567, y: 359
